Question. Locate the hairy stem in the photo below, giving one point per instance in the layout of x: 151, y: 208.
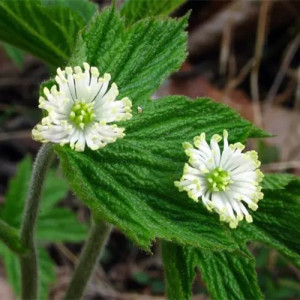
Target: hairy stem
x: 28, y: 261
x: 11, y: 239
x: 92, y: 250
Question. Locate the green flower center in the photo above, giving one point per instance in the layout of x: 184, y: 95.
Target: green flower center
x: 82, y: 113
x: 218, y: 180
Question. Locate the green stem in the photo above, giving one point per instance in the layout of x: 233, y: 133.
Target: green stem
x: 10, y: 237
x: 92, y: 250
x: 29, y: 266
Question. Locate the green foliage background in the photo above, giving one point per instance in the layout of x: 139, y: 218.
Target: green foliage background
x: 55, y: 224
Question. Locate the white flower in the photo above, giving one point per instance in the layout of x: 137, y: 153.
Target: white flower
x: 226, y: 181
x: 81, y: 109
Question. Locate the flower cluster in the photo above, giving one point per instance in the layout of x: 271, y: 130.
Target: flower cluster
x: 81, y: 109
x: 225, y: 180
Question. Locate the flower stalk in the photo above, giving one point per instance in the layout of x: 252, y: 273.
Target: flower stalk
x: 28, y: 261
x: 91, y: 252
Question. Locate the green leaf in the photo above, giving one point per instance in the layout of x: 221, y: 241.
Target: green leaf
x: 276, y: 181
x: 15, y: 54
x: 12, y: 268
x: 227, y: 275
x: 60, y: 225
x: 48, y: 32
x: 256, y: 132
x: 130, y: 183
x: 13, y: 272
x: 46, y: 273
x: 55, y: 224
x: 135, y: 10
x: 55, y: 189
x: 179, y: 267
x: 16, y: 194
x: 84, y: 8
x: 276, y: 222
x: 138, y: 59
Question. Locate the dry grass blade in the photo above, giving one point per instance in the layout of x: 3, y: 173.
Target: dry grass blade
x: 260, y: 39
x: 226, y: 42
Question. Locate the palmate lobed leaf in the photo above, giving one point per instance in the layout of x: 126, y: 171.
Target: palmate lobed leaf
x: 138, y: 58
x: 134, y: 10
x: 131, y: 183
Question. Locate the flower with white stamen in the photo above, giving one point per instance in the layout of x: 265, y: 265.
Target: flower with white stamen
x: 81, y: 110
x: 226, y: 181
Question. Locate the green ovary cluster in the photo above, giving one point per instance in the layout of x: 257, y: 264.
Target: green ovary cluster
x: 218, y: 180
x: 82, y: 113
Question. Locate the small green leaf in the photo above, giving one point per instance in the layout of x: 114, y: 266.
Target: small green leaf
x: 48, y: 32
x: 227, y: 275
x: 138, y: 59
x: 16, y: 194
x: 135, y: 10
x: 276, y: 222
x: 130, y: 183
